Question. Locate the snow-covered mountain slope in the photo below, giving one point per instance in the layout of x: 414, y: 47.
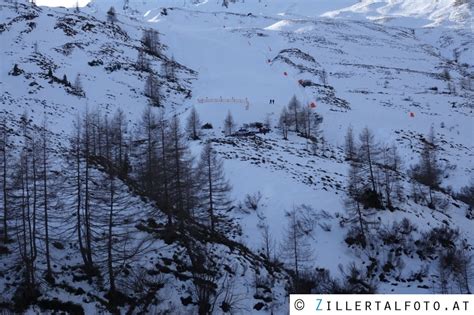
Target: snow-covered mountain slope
x: 62, y: 3
x: 361, y: 73
x: 294, y: 8
x: 381, y: 72
x: 377, y: 76
x: 77, y: 45
x: 104, y: 56
x: 410, y: 12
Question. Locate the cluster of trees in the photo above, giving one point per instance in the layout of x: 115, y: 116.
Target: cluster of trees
x: 46, y: 202
x: 376, y: 171
x: 375, y: 174
x: 454, y: 260
x: 428, y: 174
x: 88, y: 196
x: 151, y: 42
x: 152, y: 46
x: 465, y: 83
x: 375, y: 182
x: 75, y: 88
x: 302, y: 120
x: 152, y: 84
x: 152, y: 90
x: 185, y: 189
x: 354, y: 280
x: 296, y: 247
x: 26, y: 199
x: 298, y: 254
x: 142, y: 64
x: 193, y: 125
x: 169, y: 69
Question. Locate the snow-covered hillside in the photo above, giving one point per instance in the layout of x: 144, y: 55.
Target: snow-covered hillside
x: 408, y: 13
x: 358, y: 64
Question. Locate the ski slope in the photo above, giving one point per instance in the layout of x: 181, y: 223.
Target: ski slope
x: 412, y: 13
x: 231, y: 54
x: 384, y: 73
x: 408, y: 13
x: 386, y: 76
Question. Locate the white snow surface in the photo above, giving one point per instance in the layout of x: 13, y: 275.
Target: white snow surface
x: 62, y: 3
x: 384, y: 71
x: 409, y: 13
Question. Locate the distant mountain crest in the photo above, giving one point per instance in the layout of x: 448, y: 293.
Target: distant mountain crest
x: 417, y: 13
x: 410, y: 13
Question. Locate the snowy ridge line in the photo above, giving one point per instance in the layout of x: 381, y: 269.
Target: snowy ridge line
x: 249, y: 14
x: 368, y: 66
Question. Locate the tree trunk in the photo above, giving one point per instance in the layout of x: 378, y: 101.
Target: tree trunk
x: 296, y: 119
x: 30, y: 260
x: 178, y: 172
x: 165, y: 176
x: 5, y: 195
x: 87, y: 216
x: 295, y: 247
x: 87, y: 221
x: 46, y: 223
x: 79, y: 204
x: 211, y: 199
x: 149, y: 156
x: 109, y: 244
x: 431, y: 196
x: 361, y: 220
x: 35, y: 200
x: 23, y: 223
x: 369, y: 160
x: 466, y: 276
